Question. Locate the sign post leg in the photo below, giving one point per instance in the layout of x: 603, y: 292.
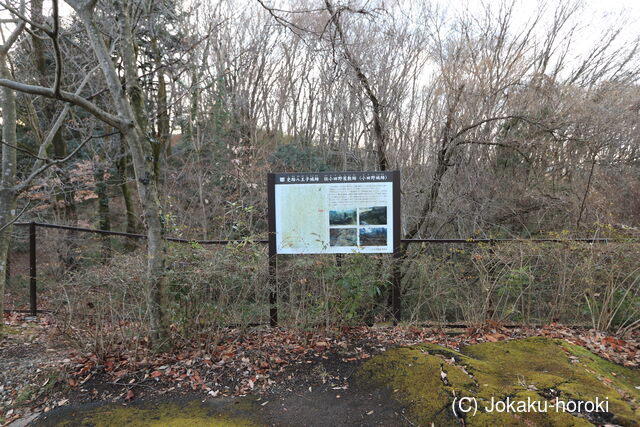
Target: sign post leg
x: 395, y: 289
x: 398, y: 251
x: 273, y: 291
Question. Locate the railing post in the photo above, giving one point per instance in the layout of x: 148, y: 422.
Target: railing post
x: 7, y: 276
x: 33, y: 299
x: 273, y: 257
x: 398, y: 252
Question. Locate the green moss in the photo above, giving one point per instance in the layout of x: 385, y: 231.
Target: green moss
x: 168, y: 415
x: 626, y: 379
x: 550, y: 418
x: 24, y: 395
x: 415, y: 380
x: 52, y: 379
x: 532, y: 369
x: 10, y: 330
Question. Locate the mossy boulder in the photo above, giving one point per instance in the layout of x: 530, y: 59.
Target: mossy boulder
x: 548, y: 374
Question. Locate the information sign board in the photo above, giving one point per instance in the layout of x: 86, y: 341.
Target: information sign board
x: 334, y: 212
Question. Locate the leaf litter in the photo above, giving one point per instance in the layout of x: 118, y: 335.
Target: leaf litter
x: 260, y: 361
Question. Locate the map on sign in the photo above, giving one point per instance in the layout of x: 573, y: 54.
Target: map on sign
x: 334, y: 213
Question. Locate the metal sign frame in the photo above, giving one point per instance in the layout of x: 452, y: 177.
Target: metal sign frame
x: 327, y: 178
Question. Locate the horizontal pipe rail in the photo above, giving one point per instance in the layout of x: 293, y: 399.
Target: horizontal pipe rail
x: 132, y: 235
x: 15, y: 310
x: 405, y: 241
x: 476, y: 241
x: 33, y: 261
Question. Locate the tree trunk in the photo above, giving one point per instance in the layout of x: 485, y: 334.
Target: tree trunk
x: 379, y: 130
x: 144, y: 165
x: 8, y: 179
x: 122, y: 167
x: 131, y: 106
x: 156, y: 245
x: 66, y: 197
x: 104, y: 222
x: 161, y: 146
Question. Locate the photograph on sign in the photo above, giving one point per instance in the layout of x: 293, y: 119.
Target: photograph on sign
x: 328, y: 213
x: 342, y: 217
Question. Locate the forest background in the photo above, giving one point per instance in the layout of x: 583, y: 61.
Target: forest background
x: 163, y: 118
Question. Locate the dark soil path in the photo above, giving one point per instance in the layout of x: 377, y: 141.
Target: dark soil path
x: 306, y: 408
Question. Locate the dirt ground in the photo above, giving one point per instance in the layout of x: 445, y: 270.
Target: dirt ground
x: 261, y: 377
x: 318, y: 407
x: 38, y: 374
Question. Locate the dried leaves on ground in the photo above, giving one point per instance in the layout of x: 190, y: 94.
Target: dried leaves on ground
x: 38, y: 372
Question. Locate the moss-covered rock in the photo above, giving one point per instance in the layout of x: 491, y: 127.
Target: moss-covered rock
x: 166, y: 415
x: 546, y: 372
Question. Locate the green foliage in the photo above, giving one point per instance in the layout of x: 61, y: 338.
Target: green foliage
x: 358, y: 286
x: 239, y: 218
x: 25, y: 395
x: 210, y: 287
x: 576, y: 283
x: 613, y: 306
x: 515, y: 281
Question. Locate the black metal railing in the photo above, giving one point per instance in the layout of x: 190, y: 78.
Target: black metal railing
x: 33, y: 261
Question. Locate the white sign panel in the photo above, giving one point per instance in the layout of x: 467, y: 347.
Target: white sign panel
x: 331, y: 213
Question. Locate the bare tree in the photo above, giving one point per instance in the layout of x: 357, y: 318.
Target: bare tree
x: 8, y: 193
x: 131, y: 122
x: 10, y: 188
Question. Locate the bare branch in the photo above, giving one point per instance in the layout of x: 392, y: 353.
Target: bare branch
x: 56, y: 49
x: 15, y: 218
x: 497, y: 144
x: 74, y: 99
x: 378, y: 127
x: 27, y: 182
x: 280, y: 20
x: 493, y: 119
x: 44, y: 146
x: 23, y: 150
x: 4, y: 49
x: 23, y: 18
